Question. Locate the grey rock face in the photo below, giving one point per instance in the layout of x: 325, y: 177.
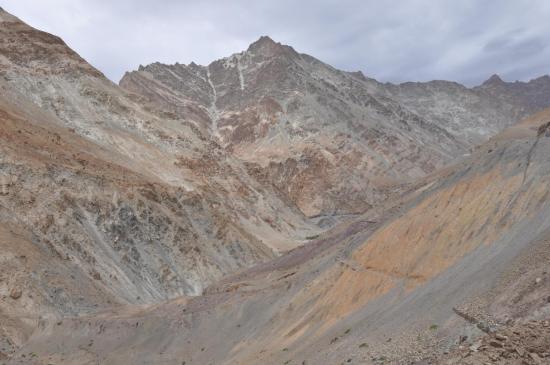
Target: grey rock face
x: 530, y: 97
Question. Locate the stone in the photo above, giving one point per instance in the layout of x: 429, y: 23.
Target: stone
x: 96, y: 275
x: 500, y: 337
x: 15, y: 293
x: 475, y: 346
x: 493, y: 357
x: 495, y: 343
x: 535, y: 358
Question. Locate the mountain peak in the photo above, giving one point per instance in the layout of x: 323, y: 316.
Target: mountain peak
x: 264, y: 43
x: 493, y: 80
x: 268, y: 47
x: 359, y: 74
x: 264, y: 40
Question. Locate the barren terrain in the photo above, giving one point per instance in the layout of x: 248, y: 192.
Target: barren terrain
x: 267, y: 209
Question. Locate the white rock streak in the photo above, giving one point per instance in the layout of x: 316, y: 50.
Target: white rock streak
x: 213, y: 110
x: 241, y: 78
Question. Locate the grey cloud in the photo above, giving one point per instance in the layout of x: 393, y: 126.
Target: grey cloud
x: 394, y: 41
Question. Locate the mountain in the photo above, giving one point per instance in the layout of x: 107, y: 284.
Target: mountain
x: 463, y: 252
x: 264, y: 209
x: 531, y: 96
x: 105, y: 202
x: 305, y: 125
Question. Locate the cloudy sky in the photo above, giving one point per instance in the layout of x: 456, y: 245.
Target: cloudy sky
x: 411, y: 40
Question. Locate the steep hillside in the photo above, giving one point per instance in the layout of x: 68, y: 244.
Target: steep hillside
x: 112, y: 202
x: 463, y: 252
x: 335, y: 142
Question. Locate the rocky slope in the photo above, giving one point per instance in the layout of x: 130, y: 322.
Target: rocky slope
x: 305, y: 125
x: 103, y: 201
x: 463, y: 253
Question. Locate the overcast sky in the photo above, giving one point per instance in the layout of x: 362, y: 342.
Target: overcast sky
x: 412, y: 40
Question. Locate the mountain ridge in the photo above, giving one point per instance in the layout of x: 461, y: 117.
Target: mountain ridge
x: 278, y: 108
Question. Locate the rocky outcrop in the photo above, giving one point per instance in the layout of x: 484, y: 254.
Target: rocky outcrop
x: 515, y: 344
